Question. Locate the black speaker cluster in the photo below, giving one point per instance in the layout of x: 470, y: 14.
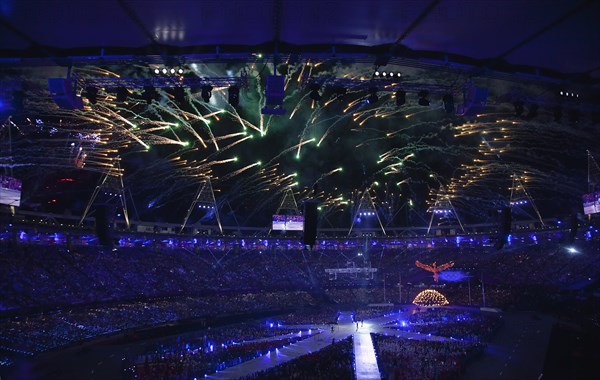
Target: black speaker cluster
x: 505, y: 227
x: 310, y: 223
x: 105, y: 217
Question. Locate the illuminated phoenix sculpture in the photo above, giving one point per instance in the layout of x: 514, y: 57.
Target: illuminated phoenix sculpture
x: 434, y: 268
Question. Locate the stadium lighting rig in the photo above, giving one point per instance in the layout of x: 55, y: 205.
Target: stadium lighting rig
x: 569, y: 94
x: 366, y: 213
x: 64, y: 91
x: 389, y: 74
x: 169, y: 71
x: 164, y: 82
x: 518, y: 202
x: 379, y: 83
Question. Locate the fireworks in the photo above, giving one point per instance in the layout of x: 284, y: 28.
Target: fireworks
x: 166, y: 146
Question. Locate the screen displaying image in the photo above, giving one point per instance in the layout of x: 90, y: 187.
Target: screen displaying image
x: 454, y: 275
x: 288, y: 223
x: 591, y: 203
x: 10, y: 191
x: 278, y: 223
x: 294, y: 223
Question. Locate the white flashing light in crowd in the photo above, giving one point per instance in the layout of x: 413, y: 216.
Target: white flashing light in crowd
x: 572, y: 250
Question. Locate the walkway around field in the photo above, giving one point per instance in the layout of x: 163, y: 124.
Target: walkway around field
x: 365, y: 360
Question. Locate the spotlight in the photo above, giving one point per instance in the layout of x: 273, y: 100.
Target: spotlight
x: 314, y: 92
x: 519, y: 108
x: 377, y: 73
x: 206, y: 93
x: 448, y: 103
x: 179, y: 95
x: 423, y: 101
x: 172, y: 71
x: 572, y: 250
x: 156, y: 71
x: 164, y: 71
x: 391, y: 74
x: 122, y: 94
x: 557, y: 112
x: 180, y: 71
x: 92, y: 94
x: 234, y: 95
x: 373, y: 95
x: 383, y: 73
x: 533, y: 111
x: 149, y: 94
x: 400, y: 98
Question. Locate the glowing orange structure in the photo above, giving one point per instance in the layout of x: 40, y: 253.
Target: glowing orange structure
x: 430, y: 298
x: 434, y: 268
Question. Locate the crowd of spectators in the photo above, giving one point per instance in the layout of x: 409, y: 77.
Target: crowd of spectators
x: 329, y: 314
x: 216, y: 349
x: 548, y: 264
x: 452, y: 323
x: 34, y: 275
x: 41, y: 332
x: 326, y: 314
x: 360, y: 314
x: 38, y: 275
x: 335, y: 361
x: 409, y: 359
x: 213, y: 350
x: 54, y: 296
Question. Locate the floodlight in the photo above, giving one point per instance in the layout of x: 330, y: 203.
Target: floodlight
x: 234, y: 95
x: 92, y: 94
x: 206, y: 93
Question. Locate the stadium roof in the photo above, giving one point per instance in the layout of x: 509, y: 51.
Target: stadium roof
x: 510, y: 93
x: 557, y: 37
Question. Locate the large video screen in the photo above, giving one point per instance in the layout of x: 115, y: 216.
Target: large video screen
x: 278, y: 223
x: 288, y: 222
x: 294, y: 223
x: 591, y: 203
x: 454, y: 275
x: 10, y: 191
